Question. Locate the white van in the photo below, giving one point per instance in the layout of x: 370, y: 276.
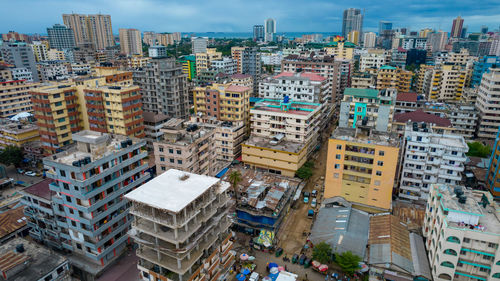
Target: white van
x: 254, y: 276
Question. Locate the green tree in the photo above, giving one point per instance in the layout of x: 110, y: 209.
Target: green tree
x: 234, y: 179
x: 348, y: 261
x: 305, y: 172
x: 322, y: 252
x: 477, y: 149
x: 11, y: 155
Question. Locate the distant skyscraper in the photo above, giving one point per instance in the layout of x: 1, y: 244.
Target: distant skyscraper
x: 130, y: 41
x: 464, y: 32
x: 258, y: 32
x: 456, y: 29
x: 91, y: 28
x: 484, y: 29
x: 61, y: 37
x: 199, y: 44
x: 352, y: 20
x: 437, y: 41
x: 270, y: 30
x: 369, y: 39
x: 384, y: 26
x: 20, y: 55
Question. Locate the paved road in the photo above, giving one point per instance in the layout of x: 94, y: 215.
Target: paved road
x: 125, y: 269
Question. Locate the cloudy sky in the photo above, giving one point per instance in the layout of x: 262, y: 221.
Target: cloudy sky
x: 34, y: 16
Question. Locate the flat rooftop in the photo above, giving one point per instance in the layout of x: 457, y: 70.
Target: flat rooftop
x: 173, y: 190
x: 40, y: 260
x: 283, y: 145
x: 291, y: 107
x: 374, y: 137
x: 489, y: 216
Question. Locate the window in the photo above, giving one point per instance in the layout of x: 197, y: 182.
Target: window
x: 170, y: 150
x: 378, y: 173
x: 179, y: 162
x: 62, y: 173
x: 178, y: 151
x: 466, y: 240
x: 160, y: 149
x: 419, y: 138
x: 337, y: 166
x: 172, y: 160
x: 381, y: 153
x: 162, y: 159
x: 380, y: 163
x: 339, y: 146
x: 337, y: 156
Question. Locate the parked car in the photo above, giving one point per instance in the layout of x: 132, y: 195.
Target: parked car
x: 314, y: 193
x: 20, y: 171
x: 254, y: 276
x: 313, y: 203
x: 306, y: 197
x: 30, y: 173
x: 302, y: 259
x: 310, y: 213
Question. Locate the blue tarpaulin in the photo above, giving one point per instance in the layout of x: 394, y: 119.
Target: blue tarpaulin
x: 221, y: 173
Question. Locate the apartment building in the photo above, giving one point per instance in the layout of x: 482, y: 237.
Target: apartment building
x: 393, y: 77
x: 225, y: 65
x: 54, y: 54
x: 225, y: 102
x: 187, y: 146
x: 461, y: 228
x: 90, y: 180
x: 229, y: 136
x: 106, y: 102
x: 40, y: 51
x: 96, y: 29
x: 130, y: 41
x: 373, y: 58
x: 157, y: 51
x: 363, y: 80
x: 447, y: 82
x: 361, y: 167
x: 163, y: 87
x: 493, y: 174
x: 137, y: 61
x: 61, y: 37
x: 487, y: 103
x: 17, y: 133
x: 15, y: 97
x: 248, y: 61
x: 188, y: 66
x: 204, y: 60
x: 21, y: 56
x: 341, y: 50
x: 53, y: 70
x: 429, y: 158
x: 283, y: 135
x: 438, y: 124
x: 152, y: 127
x: 338, y: 72
x: 181, y: 225
x: 22, y: 73
x: 244, y: 80
x: 424, y: 78
x: 199, y: 45
x: 367, y: 107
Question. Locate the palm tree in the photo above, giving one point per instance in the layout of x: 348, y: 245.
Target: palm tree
x: 234, y: 179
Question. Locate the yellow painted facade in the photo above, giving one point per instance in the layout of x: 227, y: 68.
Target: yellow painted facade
x: 362, y: 173
x: 341, y: 51
x: 287, y: 163
x: 11, y: 134
x: 204, y: 60
x: 392, y: 77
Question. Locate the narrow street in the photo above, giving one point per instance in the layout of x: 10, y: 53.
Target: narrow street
x: 291, y: 235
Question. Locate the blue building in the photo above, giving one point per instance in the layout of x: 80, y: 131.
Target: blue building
x: 90, y: 215
x: 481, y: 66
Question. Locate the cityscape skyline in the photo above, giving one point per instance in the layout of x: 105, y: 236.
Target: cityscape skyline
x: 318, y: 16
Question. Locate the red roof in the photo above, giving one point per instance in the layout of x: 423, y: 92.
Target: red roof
x: 310, y: 75
x: 409, y: 97
x: 240, y: 76
x: 40, y: 189
x: 420, y: 116
x: 236, y: 88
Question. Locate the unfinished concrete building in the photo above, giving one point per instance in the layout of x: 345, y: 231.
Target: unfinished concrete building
x: 182, y: 227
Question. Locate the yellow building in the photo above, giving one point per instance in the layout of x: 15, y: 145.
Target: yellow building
x: 341, y: 50
x: 15, y: 97
x: 392, y: 77
x: 283, y: 136
x: 40, y: 51
x: 54, y: 54
x: 204, y: 60
x: 62, y: 109
x: 237, y: 55
x: 138, y: 61
x: 353, y: 37
x: 361, y: 167
x: 447, y: 82
x: 17, y: 133
x: 225, y: 102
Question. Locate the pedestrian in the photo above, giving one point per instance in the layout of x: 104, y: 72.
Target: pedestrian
x: 306, y: 277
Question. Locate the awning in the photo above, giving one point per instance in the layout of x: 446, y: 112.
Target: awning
x: 221, y: 173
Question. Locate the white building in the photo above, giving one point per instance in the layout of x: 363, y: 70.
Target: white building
x: 199, y: 44
x: 225, y: 65
x: 271, y: 59
x: 373, y: 59
x: 369, y: 40
x: 488, y: 104
x: 462, y: 230
x: 53, y: 70
x: 157, y: 51
x: 81, y: 68
x: 22, y: 73
x: 429, y: 158
x: 181, y: 227
x: 300, y: 87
